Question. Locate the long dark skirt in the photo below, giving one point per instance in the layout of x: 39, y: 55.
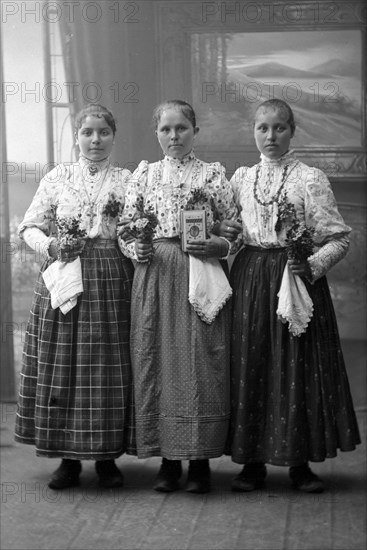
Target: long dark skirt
x: 75, y: 387
x: 180, y: 363
x: 290, y: 395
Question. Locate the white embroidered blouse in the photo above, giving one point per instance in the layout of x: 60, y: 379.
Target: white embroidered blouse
x: 83, y: 188
x: 258, y: 191
x: 166, y: 187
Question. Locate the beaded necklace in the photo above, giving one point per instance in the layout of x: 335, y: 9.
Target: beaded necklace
x: 90, y: 212
x: 266, y: 214
x: 275, y: 197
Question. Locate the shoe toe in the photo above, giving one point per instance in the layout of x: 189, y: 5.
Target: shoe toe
x: 109, y: 475
x: 61, y: 480
x: 246, y: 485
x: 305, y: 480
x: 198, y: 486
x: 166, y: 485
x: 314, y: 486
x: 249, y: 479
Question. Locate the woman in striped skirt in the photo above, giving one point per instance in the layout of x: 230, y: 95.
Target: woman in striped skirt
x: 75, y: 383
x: 291, y: 401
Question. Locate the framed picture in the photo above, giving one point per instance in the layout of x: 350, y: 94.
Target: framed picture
x: 227, y: 58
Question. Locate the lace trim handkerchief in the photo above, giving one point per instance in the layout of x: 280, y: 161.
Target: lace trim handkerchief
x: 209, y: 288
x: 65, y: 284
x: 295, y: 305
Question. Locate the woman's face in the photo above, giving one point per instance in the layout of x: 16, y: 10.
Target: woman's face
x: 272, y: 133
x: 95, y: 138
x: 175, y: 133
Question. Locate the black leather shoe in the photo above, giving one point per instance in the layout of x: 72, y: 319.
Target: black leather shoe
x: 305, y: 480
x: 66, y: 475
x: 168, y: 476
x: 250, y: 478
x: 109, y: 474
x: 198, y: 478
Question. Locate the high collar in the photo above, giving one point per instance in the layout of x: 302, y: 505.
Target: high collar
x: 179, y: 163
x: 282, y: 161
x: 98, y: 165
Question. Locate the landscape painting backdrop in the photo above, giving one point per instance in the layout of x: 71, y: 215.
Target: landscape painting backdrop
x: 318, y: 73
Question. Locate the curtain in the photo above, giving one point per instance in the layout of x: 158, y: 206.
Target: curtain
x: 109, y: 57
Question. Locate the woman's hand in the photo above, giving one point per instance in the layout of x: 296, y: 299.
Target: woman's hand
x: 214, y: 247
x: 300, y: 268
x: 123, y: 232
x: 52, y: 249
x: 69, y: 253
x: 144, y: 250
x: 229, y: 229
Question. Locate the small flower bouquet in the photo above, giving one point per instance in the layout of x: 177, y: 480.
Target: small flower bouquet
x: 295, y: 306
x: 299, y: 241
x: 113, y: 206
x: 70, y: 238
x: 143, y: 223
x: 299, y: 238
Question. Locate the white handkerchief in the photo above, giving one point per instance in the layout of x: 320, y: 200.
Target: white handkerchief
x: 65, y: 284
x: 209, y: 288
x: 295, y: 305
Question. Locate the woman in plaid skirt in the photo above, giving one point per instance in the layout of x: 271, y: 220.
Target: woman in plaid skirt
x: 75, y: 384
x: 291, y: 401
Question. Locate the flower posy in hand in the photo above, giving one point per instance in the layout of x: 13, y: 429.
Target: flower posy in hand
x: 299, y: 242
x: 143, y: 223
x: 70, y: 238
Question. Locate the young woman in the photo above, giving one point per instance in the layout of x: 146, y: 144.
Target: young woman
x: 291, y: 401
x: 75, y: 388
x: 180, y: 350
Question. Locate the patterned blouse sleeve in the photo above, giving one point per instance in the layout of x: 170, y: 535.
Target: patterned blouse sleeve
x: 41, y: 211
x: 331, y: 233
x: 122, y: 176
x: 221, y: 191
x: 236, y: 181
x: 136, y: 186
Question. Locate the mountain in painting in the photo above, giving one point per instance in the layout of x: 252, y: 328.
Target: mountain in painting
x: 338, y: 67
x: 271, y: 69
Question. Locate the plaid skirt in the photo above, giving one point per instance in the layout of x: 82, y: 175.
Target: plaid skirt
x: 180, y: 363
x: 290, y: 395
x: 75, y: 397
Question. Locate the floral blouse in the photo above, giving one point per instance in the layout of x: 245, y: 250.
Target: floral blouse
x: 260, y: 192
x: 95, y: 192
x: 167, y: 186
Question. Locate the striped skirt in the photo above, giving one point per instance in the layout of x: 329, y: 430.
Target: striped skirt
x: 290, y: 395
x: 180, y: 363
x: 75, y: 397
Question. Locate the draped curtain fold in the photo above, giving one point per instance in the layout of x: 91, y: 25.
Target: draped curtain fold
x: 96, y: 68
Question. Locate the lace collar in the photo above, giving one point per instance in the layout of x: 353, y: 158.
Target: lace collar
x: 287, y: 158
x: 174, y: 162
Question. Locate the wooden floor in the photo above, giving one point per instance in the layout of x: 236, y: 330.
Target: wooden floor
x: 135, y: 517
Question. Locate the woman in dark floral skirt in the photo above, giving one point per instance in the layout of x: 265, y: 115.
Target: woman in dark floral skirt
x: 291, y: 401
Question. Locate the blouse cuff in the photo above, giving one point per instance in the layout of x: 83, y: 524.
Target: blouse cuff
x: 38, y: 241
x: 327, y: 256
x: 228, y: 250
x: 128, y: 249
